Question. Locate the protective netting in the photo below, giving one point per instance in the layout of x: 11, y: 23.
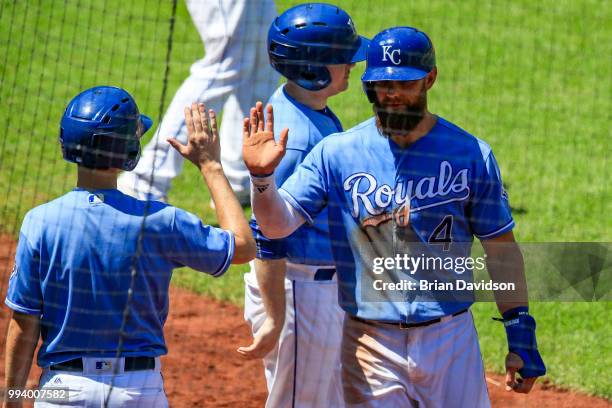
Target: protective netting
x: 530, y: 78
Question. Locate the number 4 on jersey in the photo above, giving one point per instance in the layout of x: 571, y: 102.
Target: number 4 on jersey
x: 442, y: 233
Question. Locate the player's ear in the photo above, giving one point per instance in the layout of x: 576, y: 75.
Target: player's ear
x: 431, y: 78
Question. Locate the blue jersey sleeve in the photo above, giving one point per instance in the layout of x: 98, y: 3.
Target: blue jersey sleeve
x: 307, y: 188
x: 489, y: 210
x: 24, y: 294
x: 267, y: 248
x: 201, y: 247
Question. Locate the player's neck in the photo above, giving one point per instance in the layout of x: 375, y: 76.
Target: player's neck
x: 89, y: 179
x: 316, y: 100
x: 404, y: 140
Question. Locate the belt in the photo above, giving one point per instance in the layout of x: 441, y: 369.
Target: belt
x: 324, y: 274
x: 403, y: 325
x: 308, y: 273
x: 131, y: 364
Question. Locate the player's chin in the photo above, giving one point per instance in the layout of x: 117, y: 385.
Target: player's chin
x: 336, y: 90
x: 342, y: 86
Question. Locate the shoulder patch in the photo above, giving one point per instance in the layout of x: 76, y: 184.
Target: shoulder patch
x: 94, y: 199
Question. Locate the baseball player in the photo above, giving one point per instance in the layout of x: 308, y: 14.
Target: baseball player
x: 93, y: 267
x: 406, y: 178
x: 314, y: 46
x: 233, y: 74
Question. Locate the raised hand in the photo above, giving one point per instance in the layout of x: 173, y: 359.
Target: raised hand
x: 260, y: 152
x: 203, y: 148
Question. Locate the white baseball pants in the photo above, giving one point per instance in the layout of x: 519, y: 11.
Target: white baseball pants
x: 304, y: 369
x: 436, y: 366
x: 90, y: 389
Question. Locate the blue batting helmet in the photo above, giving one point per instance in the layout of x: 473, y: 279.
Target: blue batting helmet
x: 398, y: 54
x: 306, y: 38
x: 101, y: 129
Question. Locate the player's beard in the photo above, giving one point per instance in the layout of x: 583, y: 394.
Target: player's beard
x: 402, y: 121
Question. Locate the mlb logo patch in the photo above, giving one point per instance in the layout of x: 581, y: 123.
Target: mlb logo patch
x: 103, y: 365
x: 94, y: 199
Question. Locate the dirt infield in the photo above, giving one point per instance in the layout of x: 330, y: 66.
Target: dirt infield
x: 203, y: 369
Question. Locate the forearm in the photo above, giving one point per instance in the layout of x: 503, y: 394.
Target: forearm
x: 270, y: 275
x: 276, y: 218
x: 505, y: 264
x: 21, y: 341
x: 229, y: 212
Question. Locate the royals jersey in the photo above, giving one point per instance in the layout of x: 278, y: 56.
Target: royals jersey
x: 381, y: 199
x: 309, y: 244
x: 74, y: 266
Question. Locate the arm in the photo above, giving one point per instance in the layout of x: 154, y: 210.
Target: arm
x: 229, y: 213
x: 270, y: 271
x: 261, y: 153
x: 270, y: 275
x: 203, y: 150
x: 276, y: 217
x: 491, y: 220
x: 505, y: 264
x: 21, y: 341
x: 271, y: 279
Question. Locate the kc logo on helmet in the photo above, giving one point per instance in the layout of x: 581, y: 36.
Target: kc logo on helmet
x: 391, y: 54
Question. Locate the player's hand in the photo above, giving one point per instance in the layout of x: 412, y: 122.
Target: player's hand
x: 513, y: 381
x: 203, y: 148
x: 260, y: 151
x: 264, y: 341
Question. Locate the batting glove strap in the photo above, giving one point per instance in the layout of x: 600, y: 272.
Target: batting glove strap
x: 520, y: 330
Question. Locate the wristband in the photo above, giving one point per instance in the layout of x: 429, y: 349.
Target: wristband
x: 262, y: 183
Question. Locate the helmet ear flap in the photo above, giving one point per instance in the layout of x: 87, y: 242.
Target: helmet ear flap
x: 133, y: 155
x: 307, y: 76
x: 313, y: 77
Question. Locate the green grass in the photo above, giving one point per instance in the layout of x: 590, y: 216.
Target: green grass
x: 530, y: 78
x: 573, y: 339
